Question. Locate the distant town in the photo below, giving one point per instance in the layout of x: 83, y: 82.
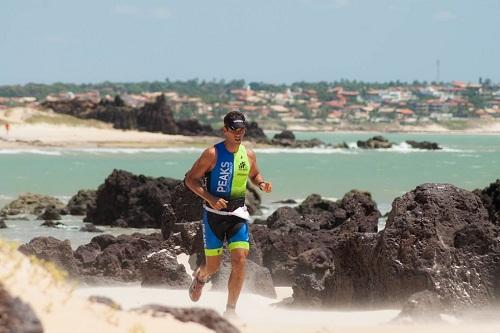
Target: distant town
x: 302, y: 105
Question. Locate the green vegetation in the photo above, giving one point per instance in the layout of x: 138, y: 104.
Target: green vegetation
x: 62, y: 119
x: 455, y: 124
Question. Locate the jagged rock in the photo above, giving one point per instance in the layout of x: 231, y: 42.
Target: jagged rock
x: 162, y: 269
x: 206, y: 317
x: 342, y: 145
x: 192, y: 127
x: 128, y: 200
x: 377, y: 142
x: 490, y: 196
x: 77, y: 205
x: 54, y: 250
x: 119, y: 258
x: 51, y: 224
x: 89, y: 227
x: 253, y: 200
x: 286, y: 201
x: 257, y: 278
x: 285, y: 135
x: 255, y: 133
x: 423, y: 145
x: 2, y: 224
x: 30, y: 203
x: 422, y: 307
x: 50, y: 213
x: 157, y: 117
x: 17, y: 316
x: 313, y: 224
x: 437, y: 237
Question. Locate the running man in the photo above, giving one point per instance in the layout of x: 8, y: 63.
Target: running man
x: 227, y: 165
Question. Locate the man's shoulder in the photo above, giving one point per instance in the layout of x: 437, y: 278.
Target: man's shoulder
x: 210, y: 152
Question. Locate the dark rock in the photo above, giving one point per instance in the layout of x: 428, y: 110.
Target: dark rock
x: 30, y: 203
x: 490, y: 196
x: 255, y: 133
x: 186, y: 206
x: 54, y: 250
x: 17, y: 316
x: 52, y: 224
x: 162, y: 269
x: 129, y: 200
x: 422, y: 307
x: 423, y: 145
x: 342, y: 145
x: 89, y: 227
x: 157, y: 117
x: 438, y: 237
x: 106, y: 301
x: 77, y: 205
x: 206, y: 317
x: 377, y: 142
x: 253, y: 200
x: 361, y: 211
x: 286, y: 201
x: 192, y: 127
x: 50, y: 213
x: 119, y: 257
x: 257, y: 278
x: 2, y: 224
x: 285, y: 135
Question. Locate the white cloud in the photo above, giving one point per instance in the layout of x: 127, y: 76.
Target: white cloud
x: 444, y: 16
x: 160, y: 13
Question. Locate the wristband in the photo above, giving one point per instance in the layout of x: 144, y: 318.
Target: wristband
x: 261, y: 183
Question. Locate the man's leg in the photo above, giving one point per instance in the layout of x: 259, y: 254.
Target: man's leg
x: 210, y: 266
x: 238, y: 260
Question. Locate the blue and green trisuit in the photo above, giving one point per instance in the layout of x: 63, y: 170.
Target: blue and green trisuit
x: 227, y: 180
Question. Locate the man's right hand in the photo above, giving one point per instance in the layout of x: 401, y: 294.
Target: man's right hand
x: 218, y: 203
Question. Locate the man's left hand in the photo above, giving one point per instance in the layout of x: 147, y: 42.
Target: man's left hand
x: 266, y: 186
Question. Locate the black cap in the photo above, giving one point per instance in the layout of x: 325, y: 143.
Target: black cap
x: 234, y: 120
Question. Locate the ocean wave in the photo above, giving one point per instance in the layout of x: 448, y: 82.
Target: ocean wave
x: 134, y: 150
x: 31, y: 151
x: 405, y: 148
x: 316, y: 150
x: 6, y: 197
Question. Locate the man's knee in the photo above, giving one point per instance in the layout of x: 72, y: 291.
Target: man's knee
x: 238, y: 258
x: 212, y: 264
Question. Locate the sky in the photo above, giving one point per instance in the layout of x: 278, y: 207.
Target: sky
x: 273, y: 41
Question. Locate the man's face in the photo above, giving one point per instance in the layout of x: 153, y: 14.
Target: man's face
x: 235, y: 135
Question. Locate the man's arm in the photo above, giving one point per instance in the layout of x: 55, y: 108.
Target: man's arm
x: 198, y: 170
x: 255, y: 175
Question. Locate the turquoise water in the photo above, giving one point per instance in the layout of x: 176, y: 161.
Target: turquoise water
x: 468, y: 161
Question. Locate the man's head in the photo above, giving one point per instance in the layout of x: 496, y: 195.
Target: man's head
x: 234, y: 120
x: 234, y: 126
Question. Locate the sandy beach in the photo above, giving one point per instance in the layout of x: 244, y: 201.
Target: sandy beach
x: 60, y: 304
x: 35, y: 128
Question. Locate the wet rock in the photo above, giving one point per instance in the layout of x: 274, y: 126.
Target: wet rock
x: 89, y: 227
x: 490, y: 196
x: 422, y: 307
x: 129, y: 200
x: 2, y: 224
x: 52, y: 224
x: 30, y: 203
x: 206, y: 317
x: 17, y: 316
x: 376, y: 142
x: 286, y: 201
x: 54, y: 250
x: 342, y: 145
x: 162, y: 269
x: 285, y: 135
x: 77, y: 205
x: 50, y: 213
x: 423, y: 145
